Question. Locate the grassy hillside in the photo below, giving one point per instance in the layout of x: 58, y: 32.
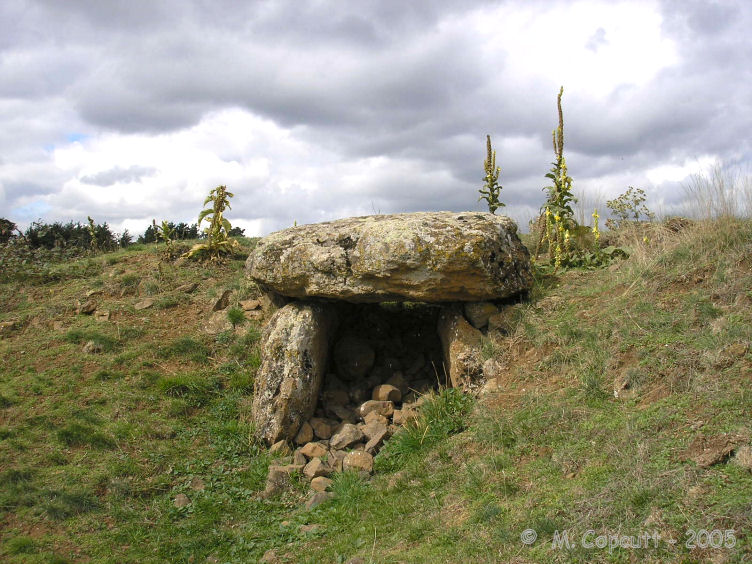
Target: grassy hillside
x: 140, y: 451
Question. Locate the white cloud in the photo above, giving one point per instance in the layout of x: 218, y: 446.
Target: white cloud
x: 134, y: 112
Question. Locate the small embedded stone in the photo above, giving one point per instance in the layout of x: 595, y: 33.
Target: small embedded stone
x: 318, y: 498
x: 181, y: 500
x: 187, y: 288
x: 144, y: 304
x: 250, y: 305
x: 223, y: 301
x: 316, y: 467
x: 280, y: 448
x: 88, y: 307
x: 305, y: 434
x: 384, y: 408
x: 312, y: 450
x: 102, y: 315
x: 322, y: 429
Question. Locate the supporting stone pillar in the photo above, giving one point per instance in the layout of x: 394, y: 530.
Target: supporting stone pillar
x: 460, y: 342
x: 295, y: 348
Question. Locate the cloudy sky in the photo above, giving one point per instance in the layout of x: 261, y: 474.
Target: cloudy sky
x: 312, y: 110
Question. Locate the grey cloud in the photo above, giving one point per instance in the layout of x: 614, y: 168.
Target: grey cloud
x: 118, y: 174
x: 359, y: 79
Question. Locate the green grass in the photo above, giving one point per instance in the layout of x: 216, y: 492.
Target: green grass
x: 94, y: 449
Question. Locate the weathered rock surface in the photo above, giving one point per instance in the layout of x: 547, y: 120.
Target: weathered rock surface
x: 426, y: 256
x: 295, y: 345
x: 460, y: 342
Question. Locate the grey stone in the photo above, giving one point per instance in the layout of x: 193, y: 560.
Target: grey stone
x: 295, y: 345
x: 425, y: 256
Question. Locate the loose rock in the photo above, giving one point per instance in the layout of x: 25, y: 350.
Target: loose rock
x: 383, y: 408
x: 358, y: 460
x: 373, y: 417
x: 386, y: 392
x: 312, y: 450
x: 316, y: 467
x: 322, y: 428
x: 280, y: 448
x: 223, y: 301
x: 320, y: 483
x: 305, y: 434
x: 317, y: 499
x: 347, y: 436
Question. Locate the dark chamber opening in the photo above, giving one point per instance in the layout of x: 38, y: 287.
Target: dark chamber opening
x: 392, y: 343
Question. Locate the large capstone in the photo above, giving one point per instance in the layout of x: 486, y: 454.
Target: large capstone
x: 295, y: 354
x: 426, y: 256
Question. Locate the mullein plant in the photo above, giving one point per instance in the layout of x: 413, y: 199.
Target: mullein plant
x: 491, y: 188
x: 92, y: 235
x: 558, y: 213
x: 596, y: 231
x: 166, y: 233
x: 218, y: 242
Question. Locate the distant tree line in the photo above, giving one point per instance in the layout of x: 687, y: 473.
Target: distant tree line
x: 92, y: 236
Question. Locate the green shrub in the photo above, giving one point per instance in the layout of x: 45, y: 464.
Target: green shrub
x: 629, y: 206
x: 236, y: 316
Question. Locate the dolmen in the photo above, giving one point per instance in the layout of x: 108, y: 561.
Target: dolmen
x: 461, y: 264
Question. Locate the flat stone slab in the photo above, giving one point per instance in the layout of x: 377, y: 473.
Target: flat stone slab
x: 425, y: 256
